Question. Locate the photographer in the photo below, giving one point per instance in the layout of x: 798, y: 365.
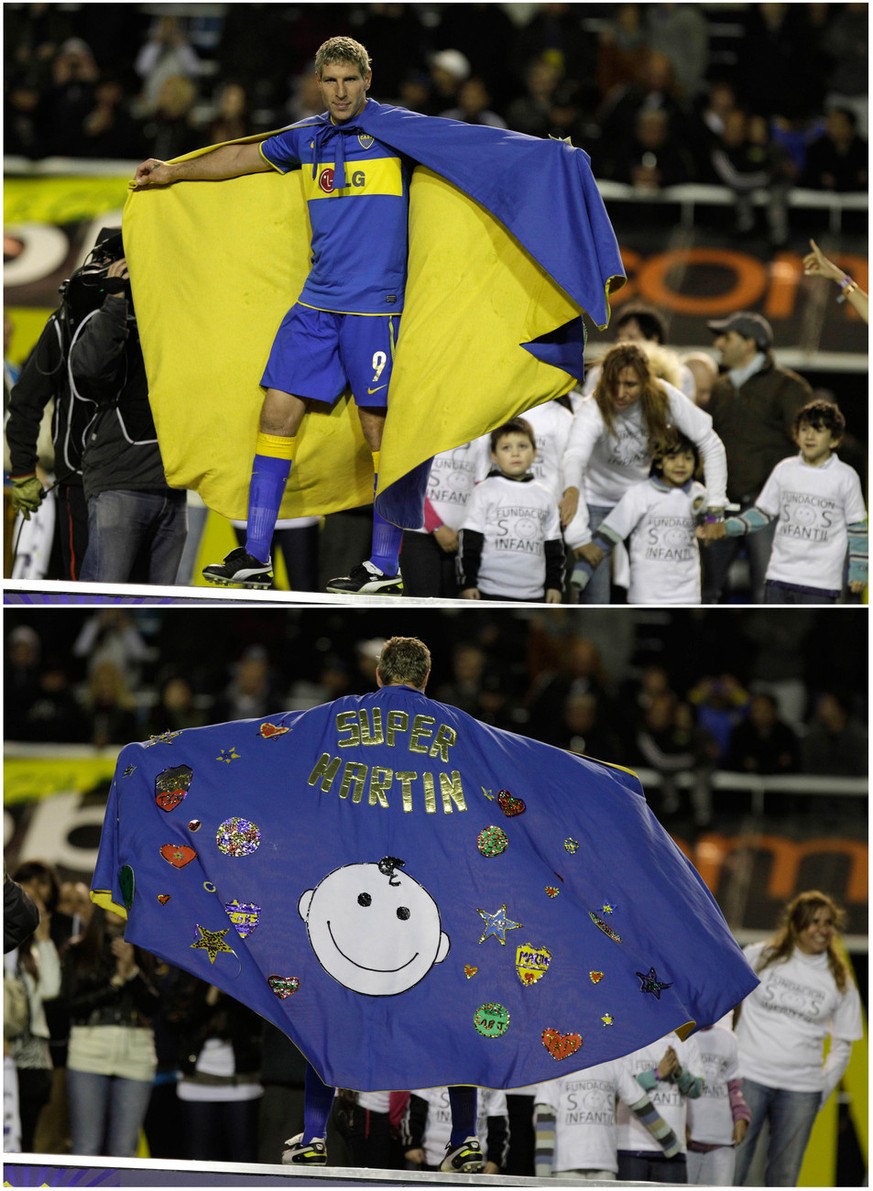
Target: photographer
x: 136, y: 524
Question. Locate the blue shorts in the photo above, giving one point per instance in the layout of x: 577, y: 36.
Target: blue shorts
x: 318, y: 354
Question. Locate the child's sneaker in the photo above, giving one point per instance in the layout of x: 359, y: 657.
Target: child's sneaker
x: 465, y: 1159
x: 297, y: 1152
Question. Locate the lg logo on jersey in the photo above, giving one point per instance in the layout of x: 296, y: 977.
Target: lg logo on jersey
x: 325, y: 180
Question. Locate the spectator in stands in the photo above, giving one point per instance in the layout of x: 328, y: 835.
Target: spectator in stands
x: 69, y: 98
x: 109, y: 706
x: 55, y: 714
x: 485, y: 34
x: 654, y: 89
x: 652, y: 157
x: 837, y: 160
x: 588, y: 730
x: 231, y: 119
x: 171, y: 130
x: 763, y: 743
x: 473, y: 106
x: 704, y: 370
x: 720, y: 702
x: 166, y: 54
x: 23, y: 134
x: 836, y: 740
x: 112, y: 634
x: 745, y: 160
x: 669, y: 741
x: 845, y: 42
x: 679, y: 31
x: 753, y: 405
x: 252, y: 691
x: 21, y: 678
x: 579, y: 669
x: 448, y: 69
x: 176, y: 707
x: 555, y: 32
x: 109, y: 130
x: 622, y: 47
x: 534, y: 111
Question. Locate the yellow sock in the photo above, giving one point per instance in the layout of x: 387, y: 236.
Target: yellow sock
x: 276, y: 446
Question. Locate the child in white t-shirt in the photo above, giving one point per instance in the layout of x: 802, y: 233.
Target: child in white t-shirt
x: 659, y: 516
x: 427, y: 1125
x: 820, y: 512
x: 575, y: 1122
x: 719, y: 1117
x: 511, y: 545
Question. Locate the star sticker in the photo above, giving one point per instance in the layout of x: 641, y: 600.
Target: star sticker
x: 488, y: 794
x: 497, y: 925
x: 607, y: 1019
x: 607, y: 908
x: 228, y: 755
x: 162, y: 738
x: 649, y: 983
x: 211, y: 941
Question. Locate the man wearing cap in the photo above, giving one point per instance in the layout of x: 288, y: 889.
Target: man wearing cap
x: 753, y: 404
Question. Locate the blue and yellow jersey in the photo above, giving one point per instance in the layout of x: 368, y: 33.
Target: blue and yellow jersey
x: 359, y: 248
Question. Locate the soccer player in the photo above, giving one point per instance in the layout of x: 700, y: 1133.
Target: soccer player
x: 342, y: 330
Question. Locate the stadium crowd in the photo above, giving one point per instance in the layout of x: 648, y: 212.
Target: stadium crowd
x: 657, y: 93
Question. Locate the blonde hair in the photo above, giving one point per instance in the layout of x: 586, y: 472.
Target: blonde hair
x: 653, y: 397
x: 796, y: 917
x: 342, y: 49
x: 404, y: 660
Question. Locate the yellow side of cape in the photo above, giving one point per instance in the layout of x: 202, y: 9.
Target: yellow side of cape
x: 216, y: 265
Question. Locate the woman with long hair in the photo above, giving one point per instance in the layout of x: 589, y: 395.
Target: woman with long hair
x: 111, y: 1060
x: 615, y: 435
x: 806, y: 995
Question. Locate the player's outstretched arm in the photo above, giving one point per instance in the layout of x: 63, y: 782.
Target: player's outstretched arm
x: 225, y: 161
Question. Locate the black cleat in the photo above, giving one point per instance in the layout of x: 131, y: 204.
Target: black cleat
x: 367, y: 579
x: 464, y: 1159
x: 240, y: 570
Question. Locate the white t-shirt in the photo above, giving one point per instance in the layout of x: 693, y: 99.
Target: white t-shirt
x: 453, y: 475
x: 517, y: 517
x: 710, y: 1119
x: 438, y: 1128
x: 603, y: 465
x: 814, y: 505
x: 375, y: 1101
x: 584, y: 1108
x: 551, y: 424
x: 664, y: 555
x: 785, y: 1020
x: 666, y: 1097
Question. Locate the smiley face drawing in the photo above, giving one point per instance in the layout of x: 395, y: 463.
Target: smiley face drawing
x: 374, y: 929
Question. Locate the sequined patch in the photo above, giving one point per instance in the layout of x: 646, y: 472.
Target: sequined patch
x: 595, y: 977
x: 228, y: 755
x: 209, y: 887
x: 238, y: 837
x: 497, y: 924
x: 211, y: 941
x: 194, y: 824
x: 531, y: 963
x: 560, y: 1046
x: 161, y: 738
x: 470, y: 970
x: 125, y: 883
x: 605, y: 927
x: 270, y: 730
x: 607, y: 908
x: 171, y: 786
x: 492, y: 841
x: 163, y: 898
x: 509, y: 804
x: 649, y: 983
x: 178, y: 854
x: 491, y: 1019
x: 283, y: 986
x: 245, y: 916
x: 552, y: 890
x: 130, y: 769
x: 607, y: 1019
x: 571, y: 845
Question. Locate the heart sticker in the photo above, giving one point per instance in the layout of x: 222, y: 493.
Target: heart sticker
x: 268, y: 730
x: 595, y: 977
x: 470, y: 970
x: 171, y: 786
x: 163, y: 898
x: 178, y: 854
x: 561, y: 1046
x: 283, y: 986
x: 509, y: 804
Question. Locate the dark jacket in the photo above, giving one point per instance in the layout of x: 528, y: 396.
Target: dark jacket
x: 229, y: 1020
x: 755, y: 424
x: 121, y: 448
x: 20, y: 914
x: 92, y: 1000
x: 43, y: 377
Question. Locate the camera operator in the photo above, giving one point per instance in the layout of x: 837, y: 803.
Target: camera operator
x: 137, y: 525
x: 44, y: 378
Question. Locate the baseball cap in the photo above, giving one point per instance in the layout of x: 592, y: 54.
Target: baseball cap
x: 748, y: 324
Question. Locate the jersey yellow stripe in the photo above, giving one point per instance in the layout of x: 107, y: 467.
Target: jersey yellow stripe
x: 381, y: 175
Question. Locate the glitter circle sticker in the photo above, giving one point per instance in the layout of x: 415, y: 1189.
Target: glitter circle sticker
x: 238, y: 837
x: 491, y: 1019
x: 571, y: 845
x: 492, y: 841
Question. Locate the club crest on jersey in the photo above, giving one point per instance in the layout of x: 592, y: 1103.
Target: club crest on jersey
x: 365, y: 140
